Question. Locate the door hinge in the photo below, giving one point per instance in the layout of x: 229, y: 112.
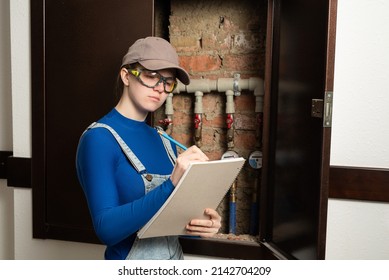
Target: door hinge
x: 323, y: 109
x: 327, y: 118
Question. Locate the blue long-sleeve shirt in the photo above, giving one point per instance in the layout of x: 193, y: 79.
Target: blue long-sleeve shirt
x: 114, y: 190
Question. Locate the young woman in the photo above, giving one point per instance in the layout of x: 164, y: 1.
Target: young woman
x: 126, y: 169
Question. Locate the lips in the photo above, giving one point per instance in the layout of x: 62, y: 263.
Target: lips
x: 155, y: 98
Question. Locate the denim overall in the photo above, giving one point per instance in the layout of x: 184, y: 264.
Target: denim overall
x: 155, y: 248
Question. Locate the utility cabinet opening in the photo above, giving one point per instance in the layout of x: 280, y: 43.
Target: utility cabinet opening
x: 221, y: 44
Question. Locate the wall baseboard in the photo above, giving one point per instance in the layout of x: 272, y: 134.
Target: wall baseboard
x: 359, y: 183
x: 18, y: 172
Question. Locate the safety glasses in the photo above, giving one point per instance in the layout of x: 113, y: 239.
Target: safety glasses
x: 152, y: 79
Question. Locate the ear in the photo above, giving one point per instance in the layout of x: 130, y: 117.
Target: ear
x: 125, y: 76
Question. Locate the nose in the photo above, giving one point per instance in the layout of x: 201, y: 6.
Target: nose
x: 160, y: 87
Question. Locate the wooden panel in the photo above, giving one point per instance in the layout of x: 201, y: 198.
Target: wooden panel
x: 359, y: 183
x: 326, y: 144
x: 4, y: 155
x: 226, y: 249
x: 293, y: 195
x: 77, y: 48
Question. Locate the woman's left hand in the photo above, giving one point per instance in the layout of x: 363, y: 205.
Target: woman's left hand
x: 205, y: 227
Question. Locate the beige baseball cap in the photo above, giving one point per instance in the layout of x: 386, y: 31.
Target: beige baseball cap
x: 155, y: 53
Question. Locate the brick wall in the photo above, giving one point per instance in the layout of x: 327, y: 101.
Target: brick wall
x: 215, y: 39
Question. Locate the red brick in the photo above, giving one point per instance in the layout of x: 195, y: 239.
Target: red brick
x: 241, y: 62
x: 182, y: 102
x: 245, y: 122
x: 216, y: 42
x: 185, y: 43
x: 200, y: 63
x: 244, y: 140
x: 245, y: 102
x: 182, y: 119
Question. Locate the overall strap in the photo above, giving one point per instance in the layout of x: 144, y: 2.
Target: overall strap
x: 139, y: 167
x: 168, y: 147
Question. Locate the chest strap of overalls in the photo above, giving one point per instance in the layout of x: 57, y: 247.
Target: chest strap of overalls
x: 139, y: 167
x: 168, y: 146
x: 135, y: 162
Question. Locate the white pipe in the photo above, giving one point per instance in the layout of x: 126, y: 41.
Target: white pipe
x: 198, y: 109
x: 230, y: 106
x: 257, y: 86
x: 224, y: 84
x: 221, y: 85
x: 169, y: 105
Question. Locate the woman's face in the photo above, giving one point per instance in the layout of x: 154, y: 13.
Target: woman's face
x: 144, y: 99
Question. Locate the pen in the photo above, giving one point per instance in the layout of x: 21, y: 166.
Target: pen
x: 172, y: 140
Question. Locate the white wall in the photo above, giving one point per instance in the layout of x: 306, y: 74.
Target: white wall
x: 360, y: 132
x: 356, y: 230
x: 6, y: 194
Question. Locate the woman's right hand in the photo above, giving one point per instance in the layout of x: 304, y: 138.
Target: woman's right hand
x: 192, y: 154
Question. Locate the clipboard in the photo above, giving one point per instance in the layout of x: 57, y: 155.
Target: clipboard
x: 203, y: 185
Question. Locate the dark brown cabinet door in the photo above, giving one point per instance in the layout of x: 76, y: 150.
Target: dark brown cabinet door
x: 295, y: 183
x: 77, y: 48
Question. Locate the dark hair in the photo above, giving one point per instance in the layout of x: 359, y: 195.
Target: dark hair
x: 119, y: 83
